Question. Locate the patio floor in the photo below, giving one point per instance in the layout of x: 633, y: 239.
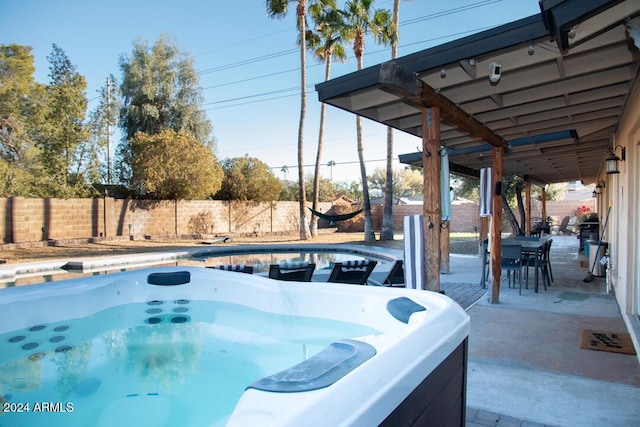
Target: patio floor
x: 526, y: 367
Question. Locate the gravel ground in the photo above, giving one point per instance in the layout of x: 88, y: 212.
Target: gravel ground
x: 467, y: 247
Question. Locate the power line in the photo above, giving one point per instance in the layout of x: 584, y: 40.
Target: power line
x: 254, y: 60
x: 335, y: 164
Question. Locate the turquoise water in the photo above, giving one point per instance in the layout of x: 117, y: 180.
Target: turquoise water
x: 157, y: 363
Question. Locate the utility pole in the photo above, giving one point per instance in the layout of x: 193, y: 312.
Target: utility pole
x: 109, y: 130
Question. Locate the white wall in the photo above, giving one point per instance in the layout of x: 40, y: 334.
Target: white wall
x: 624, y: 228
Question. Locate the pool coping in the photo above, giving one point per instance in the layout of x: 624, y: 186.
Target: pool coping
x: 89, y: 264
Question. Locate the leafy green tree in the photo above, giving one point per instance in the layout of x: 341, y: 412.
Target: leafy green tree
x: 21, y: 108
x: 466, y: 187
x: 352, y: 190
x: 553, y: 191
x: 171, y: 165
x: 289, y: 192
x: 406, y: 182
x: 102, y: 122
x: 362, y: 19
x: 159, y: 91
x: 63, y: 137
x: 325, y: 192
x: 325, y: 40
x: 247, y: 178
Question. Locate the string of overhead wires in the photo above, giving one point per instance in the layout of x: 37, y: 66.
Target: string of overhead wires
x: 294, y: 91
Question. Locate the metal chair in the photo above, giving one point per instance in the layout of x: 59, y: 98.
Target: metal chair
x: 238, y: 268
x: 301, y: 271
x: 395, y: 277
x: 355, y: 272
x: 542, y: 264
x: 511, y: 261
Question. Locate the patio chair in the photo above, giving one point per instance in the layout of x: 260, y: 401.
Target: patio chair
x: 543, y: 265
x: 238, y: 268
x: 548, y: 249
x: 355, y: 272
x: 570, y: 228
x: 395, y: 277
x: 562, y: 228
x: 299, y: 271
x: 511, y: 261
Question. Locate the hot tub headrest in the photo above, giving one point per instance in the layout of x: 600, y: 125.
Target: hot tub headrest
x: 169, y: 279
x: 402, y: 308
x: 319, y: 371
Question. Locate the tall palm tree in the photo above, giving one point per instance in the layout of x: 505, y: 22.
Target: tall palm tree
x: 362, y: 19
x: 279, y: 9
x: 387, y: 216
x: 325, y: 41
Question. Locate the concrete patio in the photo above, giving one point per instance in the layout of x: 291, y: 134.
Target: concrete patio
x: 526, y: 367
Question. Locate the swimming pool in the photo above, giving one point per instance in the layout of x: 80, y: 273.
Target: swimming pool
x: 323, y: 255
x: 199, y: 346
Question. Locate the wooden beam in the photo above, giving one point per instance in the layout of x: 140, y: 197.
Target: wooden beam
x: 406, y: 85
x: 496, y: 225
x: 432, y: 209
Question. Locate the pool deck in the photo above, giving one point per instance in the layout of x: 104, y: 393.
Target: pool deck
x: 525, y: 367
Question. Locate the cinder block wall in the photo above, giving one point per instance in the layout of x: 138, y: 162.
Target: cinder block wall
x: 34, y: 220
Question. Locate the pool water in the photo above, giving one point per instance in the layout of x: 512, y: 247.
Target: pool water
x: 177, y: 362
x: 260, y: 262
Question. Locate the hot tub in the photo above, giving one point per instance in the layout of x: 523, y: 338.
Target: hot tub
x: 197, y: 346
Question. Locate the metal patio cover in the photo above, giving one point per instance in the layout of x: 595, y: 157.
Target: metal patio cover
x: 566, y: 76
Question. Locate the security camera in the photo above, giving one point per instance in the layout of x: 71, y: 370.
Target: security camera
x: 495, y: 71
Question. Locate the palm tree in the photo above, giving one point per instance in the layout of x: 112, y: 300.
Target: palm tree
x: 331, y: 164
x: 362, y: 19
x: 279, y: 9
x: 387, y: 216
x: 326, y: 43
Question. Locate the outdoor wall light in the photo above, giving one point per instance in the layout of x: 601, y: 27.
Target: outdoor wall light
x: 594, y: 194
x: 612, y: 160
x: 599, y: 187
x: 443, y: 73
x: 532, y: 49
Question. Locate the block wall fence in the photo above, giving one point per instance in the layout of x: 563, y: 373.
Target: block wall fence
x: 36, y: 220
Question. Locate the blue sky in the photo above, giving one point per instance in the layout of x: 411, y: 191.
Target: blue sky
x: 248, y: 64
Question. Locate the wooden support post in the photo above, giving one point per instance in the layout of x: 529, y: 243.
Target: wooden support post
x: 544, y: 206
x: 445, y: 265
x: 431, y: 190
x: 527, y: 206
x: 496, y: 225
x: 484, y: 228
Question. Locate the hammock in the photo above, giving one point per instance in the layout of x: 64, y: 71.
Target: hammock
x: 335, y: 218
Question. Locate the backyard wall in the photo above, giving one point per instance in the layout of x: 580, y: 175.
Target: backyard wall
x: 36, y: 220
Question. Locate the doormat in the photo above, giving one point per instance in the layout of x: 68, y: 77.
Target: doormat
x: 615, y: 342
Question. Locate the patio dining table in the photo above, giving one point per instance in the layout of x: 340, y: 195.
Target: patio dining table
x: 529, y: 247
